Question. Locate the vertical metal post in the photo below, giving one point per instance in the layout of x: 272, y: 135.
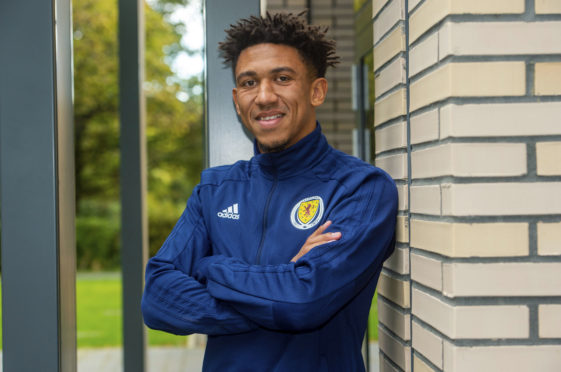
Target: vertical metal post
x: 226, y: 139
x: 134, y: 225
x: 37, y: 186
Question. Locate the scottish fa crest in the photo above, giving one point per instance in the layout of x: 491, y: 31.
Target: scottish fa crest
x: 307, y: 213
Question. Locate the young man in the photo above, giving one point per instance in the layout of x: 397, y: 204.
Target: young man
x: 277, y: 258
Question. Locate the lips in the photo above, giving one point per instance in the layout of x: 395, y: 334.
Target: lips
x: 269, y: 119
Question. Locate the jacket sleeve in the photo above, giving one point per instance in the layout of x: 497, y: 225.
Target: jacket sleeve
x: 304, y: 295
x: 173, y: 301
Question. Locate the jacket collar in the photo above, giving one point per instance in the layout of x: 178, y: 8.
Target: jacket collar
x: 295, y: 159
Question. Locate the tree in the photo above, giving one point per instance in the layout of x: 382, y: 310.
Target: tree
x: 174, y: 128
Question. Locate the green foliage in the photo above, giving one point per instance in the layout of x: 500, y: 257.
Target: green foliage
x: 98, y: 235
x: 173, y: 128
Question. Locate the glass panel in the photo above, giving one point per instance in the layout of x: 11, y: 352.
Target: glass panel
x: 173, y: 91
x: 175, y: 144
x: 96, y: 119
x: 368, y: 94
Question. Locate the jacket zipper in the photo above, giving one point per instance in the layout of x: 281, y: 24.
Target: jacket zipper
x: 265, y: 213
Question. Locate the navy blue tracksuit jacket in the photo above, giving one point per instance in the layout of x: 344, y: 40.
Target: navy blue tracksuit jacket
x: 225, y: 269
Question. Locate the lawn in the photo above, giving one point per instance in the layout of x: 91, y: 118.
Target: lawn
x: 99, y: 318
x: 98, y: 313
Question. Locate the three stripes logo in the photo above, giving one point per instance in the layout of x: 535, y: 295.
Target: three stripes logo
x: 231, y: 212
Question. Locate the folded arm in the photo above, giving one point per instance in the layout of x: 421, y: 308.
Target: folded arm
x: 173, y: 301
x: 303, y: 295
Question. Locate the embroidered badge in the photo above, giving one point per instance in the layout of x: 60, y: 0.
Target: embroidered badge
x: 307, y: 213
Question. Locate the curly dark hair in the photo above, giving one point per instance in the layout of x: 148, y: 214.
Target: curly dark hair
x: 317, y: 51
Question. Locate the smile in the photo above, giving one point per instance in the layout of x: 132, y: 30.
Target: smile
x: 271, y: 117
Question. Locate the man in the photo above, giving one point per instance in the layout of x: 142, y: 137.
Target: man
x: 277, y: 258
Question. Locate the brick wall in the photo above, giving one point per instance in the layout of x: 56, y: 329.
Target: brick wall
x: 468, y: 113
x: 336, y: 114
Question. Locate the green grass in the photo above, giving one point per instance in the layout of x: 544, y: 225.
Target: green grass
x: 99, y: 317
x: 373, y: 319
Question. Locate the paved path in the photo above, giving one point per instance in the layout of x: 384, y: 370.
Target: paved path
x: 161, y: 359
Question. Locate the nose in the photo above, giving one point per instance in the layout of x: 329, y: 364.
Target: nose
x: 266, y: 94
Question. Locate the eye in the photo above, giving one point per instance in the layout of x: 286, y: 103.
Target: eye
x: 284, y: 78
x: 248, y: 83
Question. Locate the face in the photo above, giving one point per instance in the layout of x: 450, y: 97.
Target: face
x: 275, y: 96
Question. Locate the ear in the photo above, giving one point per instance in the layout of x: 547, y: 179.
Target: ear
x: 318, y: 91
x: 235, y: 97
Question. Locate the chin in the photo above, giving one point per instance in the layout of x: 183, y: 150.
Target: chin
x: 272, y: 146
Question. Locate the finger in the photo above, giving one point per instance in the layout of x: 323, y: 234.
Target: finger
x: 322, y: 239
x: 321, y: 229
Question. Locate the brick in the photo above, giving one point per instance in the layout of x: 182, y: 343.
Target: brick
x: 427, y: 15
x: 395, y: 320
x: 389, y: 77
x: 426, y: 271
x: 392, y: 14
x: 413, y: 4
x: 502, y: 279
x: 395, y: 290
x: 501, y: 119
x: 386, y: 366
x: 395, y: 165
x: 428, y: 344
x: 390, y: 107
x: 425, y: 199
x: 423, y: 55
x: 377, y: 5
x: 493, y: 322
x: 420, y: 366
x: 548, y: 158
x: 549, y: 239
x: 391, y: 137
x: 402, y: 229
x: 425, y: 127
x: 469, y: 79
x: 388, y: 47
x: 547, y: 76
x: 470, y: 160
x: 398, y: 261
x: 497, y: 199
x: 399, y: 353
x: 523, y: 358
x: 499, y: 38
x: 471, y: 240
x: 549, y: 319
x: 433, y: 11
x: 472, y: 322
x: 403, y: 197
x: 547, y: 6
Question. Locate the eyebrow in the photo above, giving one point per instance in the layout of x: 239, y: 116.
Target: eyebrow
x: 252, y: 73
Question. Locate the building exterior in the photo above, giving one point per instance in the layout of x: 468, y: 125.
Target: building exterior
x: 467, y: 120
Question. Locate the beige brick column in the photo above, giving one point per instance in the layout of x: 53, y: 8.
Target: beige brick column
x: 484, y: 125
x: 336, y: 114
x: 390, y: 128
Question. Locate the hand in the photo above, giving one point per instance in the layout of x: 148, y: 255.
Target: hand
x: 318, y: 237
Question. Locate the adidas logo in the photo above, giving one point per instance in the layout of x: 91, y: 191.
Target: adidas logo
x: 230, y: 212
